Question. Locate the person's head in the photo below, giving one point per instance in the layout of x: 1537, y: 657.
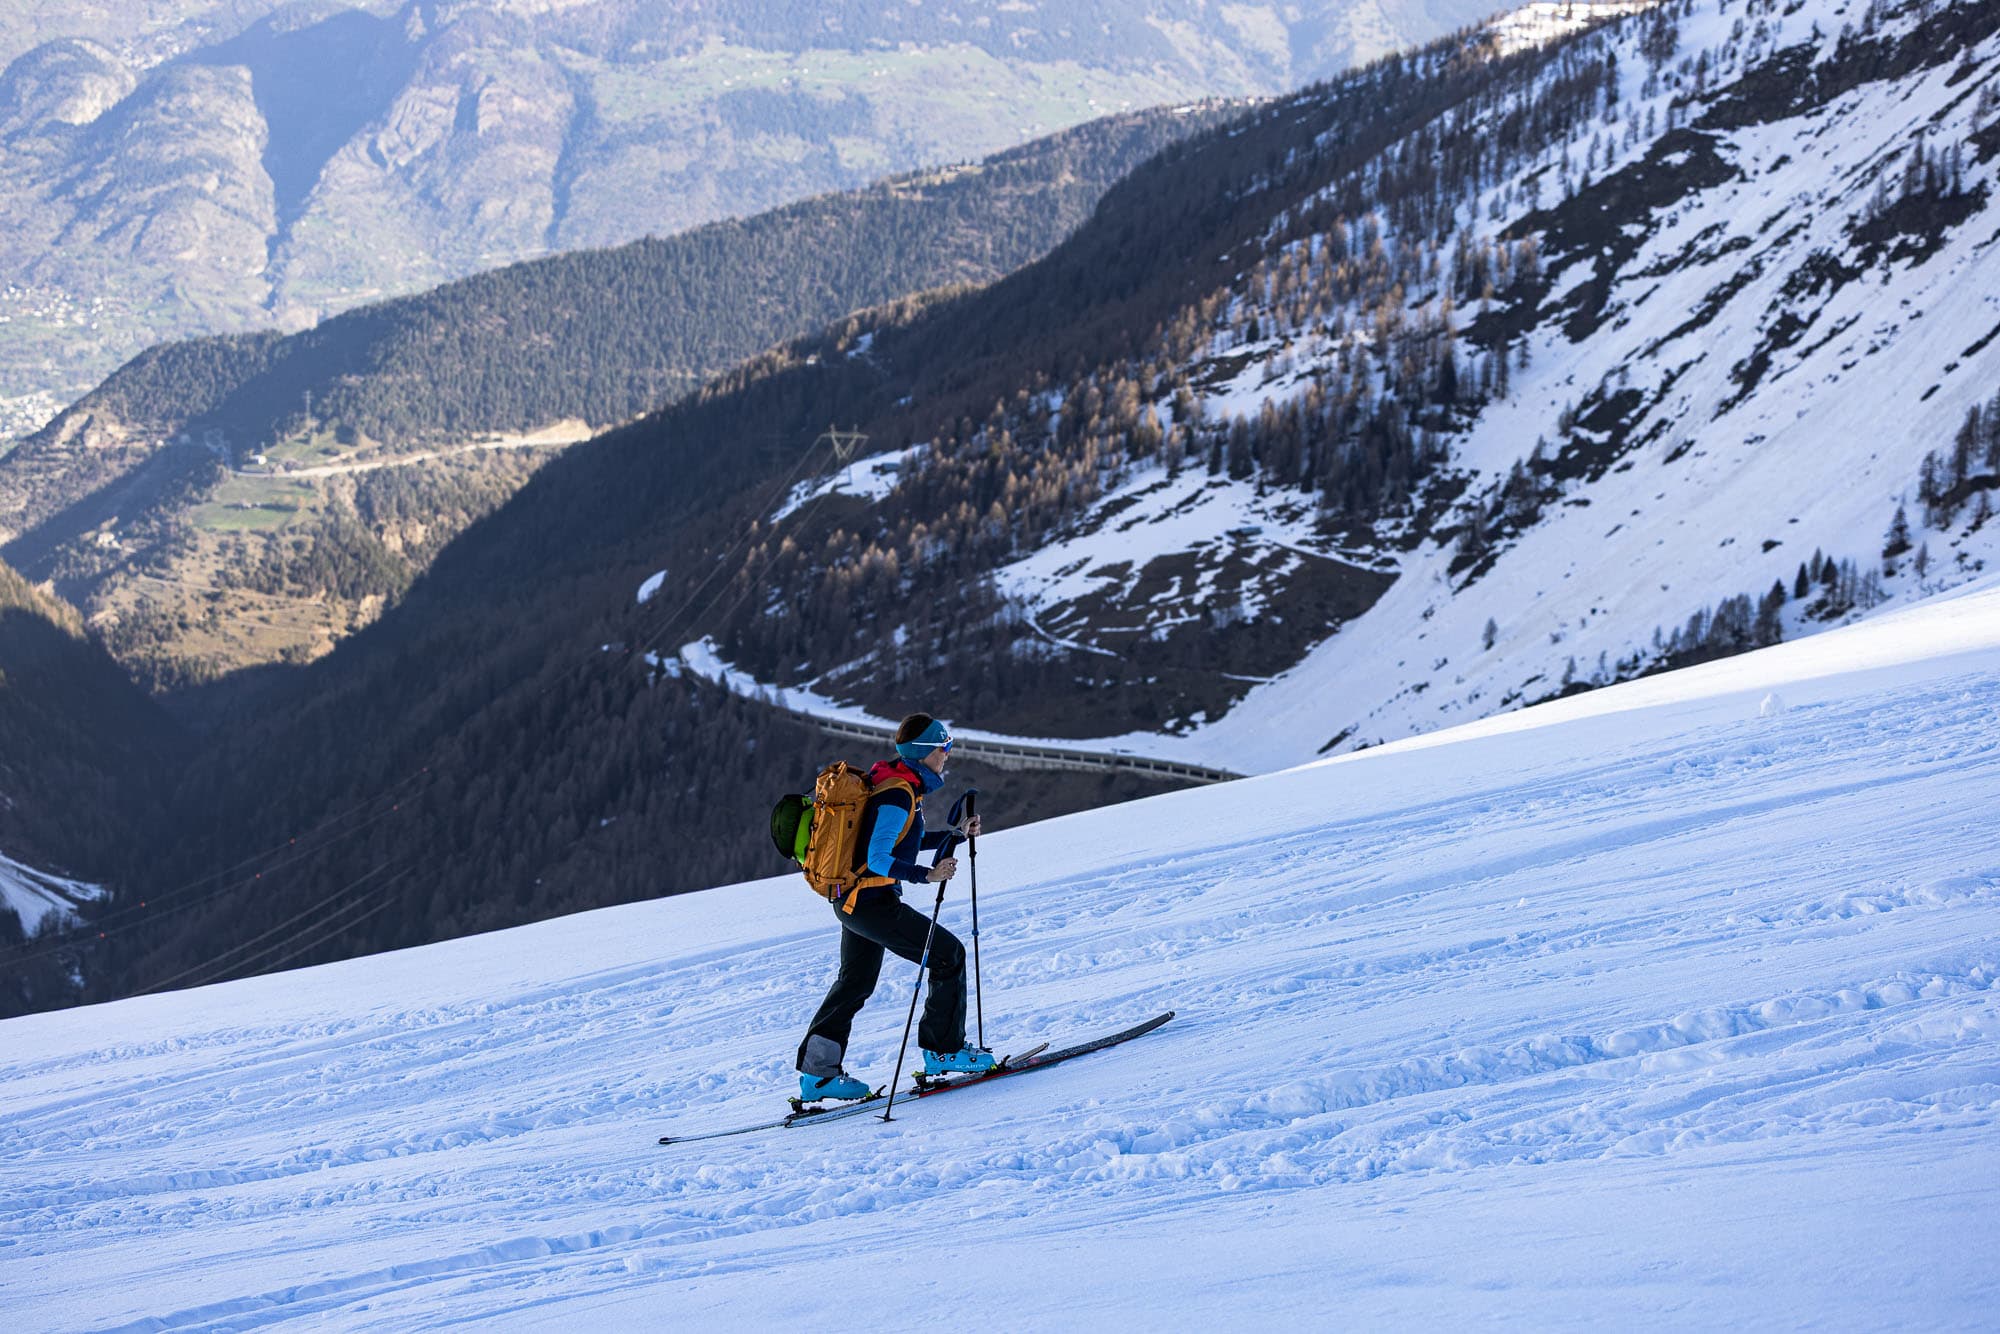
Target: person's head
x: 922, y: 739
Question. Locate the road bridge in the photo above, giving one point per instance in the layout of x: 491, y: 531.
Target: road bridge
x: 1023, y: 755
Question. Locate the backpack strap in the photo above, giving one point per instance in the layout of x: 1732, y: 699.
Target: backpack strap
x: 867, y: 879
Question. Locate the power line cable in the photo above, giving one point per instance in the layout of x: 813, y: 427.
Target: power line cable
x: 319, y: 940
x: 293, y: 920
x: 722, y: 564
x: 263, y: 961
x: 167, y: 903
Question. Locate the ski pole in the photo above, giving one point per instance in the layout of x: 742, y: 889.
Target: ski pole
x: 962, y: 812
x: 972, y: 848
x: 923, y: 966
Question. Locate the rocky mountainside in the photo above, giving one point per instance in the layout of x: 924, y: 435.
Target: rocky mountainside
x: 228, y: 501
x: 190, y: 167
x: 1376, y: 407
x: 1687, y: 347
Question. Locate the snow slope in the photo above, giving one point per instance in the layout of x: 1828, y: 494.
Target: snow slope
x: 1546, y: 20
x: 1677, y: 1004
x: 865, y: 479
x: 36, y: 896
x: 1729, y: 495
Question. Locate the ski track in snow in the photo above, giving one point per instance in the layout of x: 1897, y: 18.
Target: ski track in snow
x: 1596, y: 1021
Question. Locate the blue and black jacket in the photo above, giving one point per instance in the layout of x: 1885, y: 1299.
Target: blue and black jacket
x: 887, y: 815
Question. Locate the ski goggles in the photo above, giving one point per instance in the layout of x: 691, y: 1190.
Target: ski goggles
x: 936, y: 737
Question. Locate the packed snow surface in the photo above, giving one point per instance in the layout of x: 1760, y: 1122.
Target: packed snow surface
x: 1667, y: 1006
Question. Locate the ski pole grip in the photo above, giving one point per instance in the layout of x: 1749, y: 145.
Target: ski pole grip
x: 961, y: 811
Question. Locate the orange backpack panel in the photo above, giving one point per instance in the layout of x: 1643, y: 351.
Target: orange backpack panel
x: 840, y: 799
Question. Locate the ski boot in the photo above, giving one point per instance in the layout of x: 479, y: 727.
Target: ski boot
x: 842, y: 1087
x: 964, y: 1061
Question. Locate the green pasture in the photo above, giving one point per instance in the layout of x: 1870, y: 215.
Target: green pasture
x: 256, y: 505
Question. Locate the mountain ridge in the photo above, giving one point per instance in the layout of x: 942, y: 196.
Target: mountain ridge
x: 174, y: 480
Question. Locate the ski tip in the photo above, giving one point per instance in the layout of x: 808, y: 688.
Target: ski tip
x: 1014, y: 1061
x: 668, y: 1139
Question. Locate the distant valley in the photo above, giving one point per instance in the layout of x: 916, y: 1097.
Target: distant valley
x: 175, y: 169
x: 225, y: 502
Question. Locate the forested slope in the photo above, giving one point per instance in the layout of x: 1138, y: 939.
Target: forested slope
x: 84, y: 763
x: 128, y: 503
x: 603, y: 335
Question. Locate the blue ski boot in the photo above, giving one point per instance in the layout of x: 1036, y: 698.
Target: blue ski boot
x: 964, y: 1061
x: 842, y: 1086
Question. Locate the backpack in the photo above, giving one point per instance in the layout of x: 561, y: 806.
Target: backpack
x: 822, y: 832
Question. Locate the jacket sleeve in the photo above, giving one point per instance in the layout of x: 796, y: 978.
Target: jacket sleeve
x: 882, y: 858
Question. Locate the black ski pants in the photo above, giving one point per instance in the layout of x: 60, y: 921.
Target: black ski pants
x: 882, y: 921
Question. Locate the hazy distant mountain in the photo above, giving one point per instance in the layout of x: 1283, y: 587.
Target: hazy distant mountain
x: 172, y: 169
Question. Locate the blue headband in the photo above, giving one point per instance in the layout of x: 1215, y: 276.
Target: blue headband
x: 932, y: 737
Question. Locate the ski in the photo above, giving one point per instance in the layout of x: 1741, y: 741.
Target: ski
x: 1035, y: 1058
x: 801, y: 1113
x: 803, y: 1116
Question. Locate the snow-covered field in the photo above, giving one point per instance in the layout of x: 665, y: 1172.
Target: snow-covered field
x: 1671, y: 1006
